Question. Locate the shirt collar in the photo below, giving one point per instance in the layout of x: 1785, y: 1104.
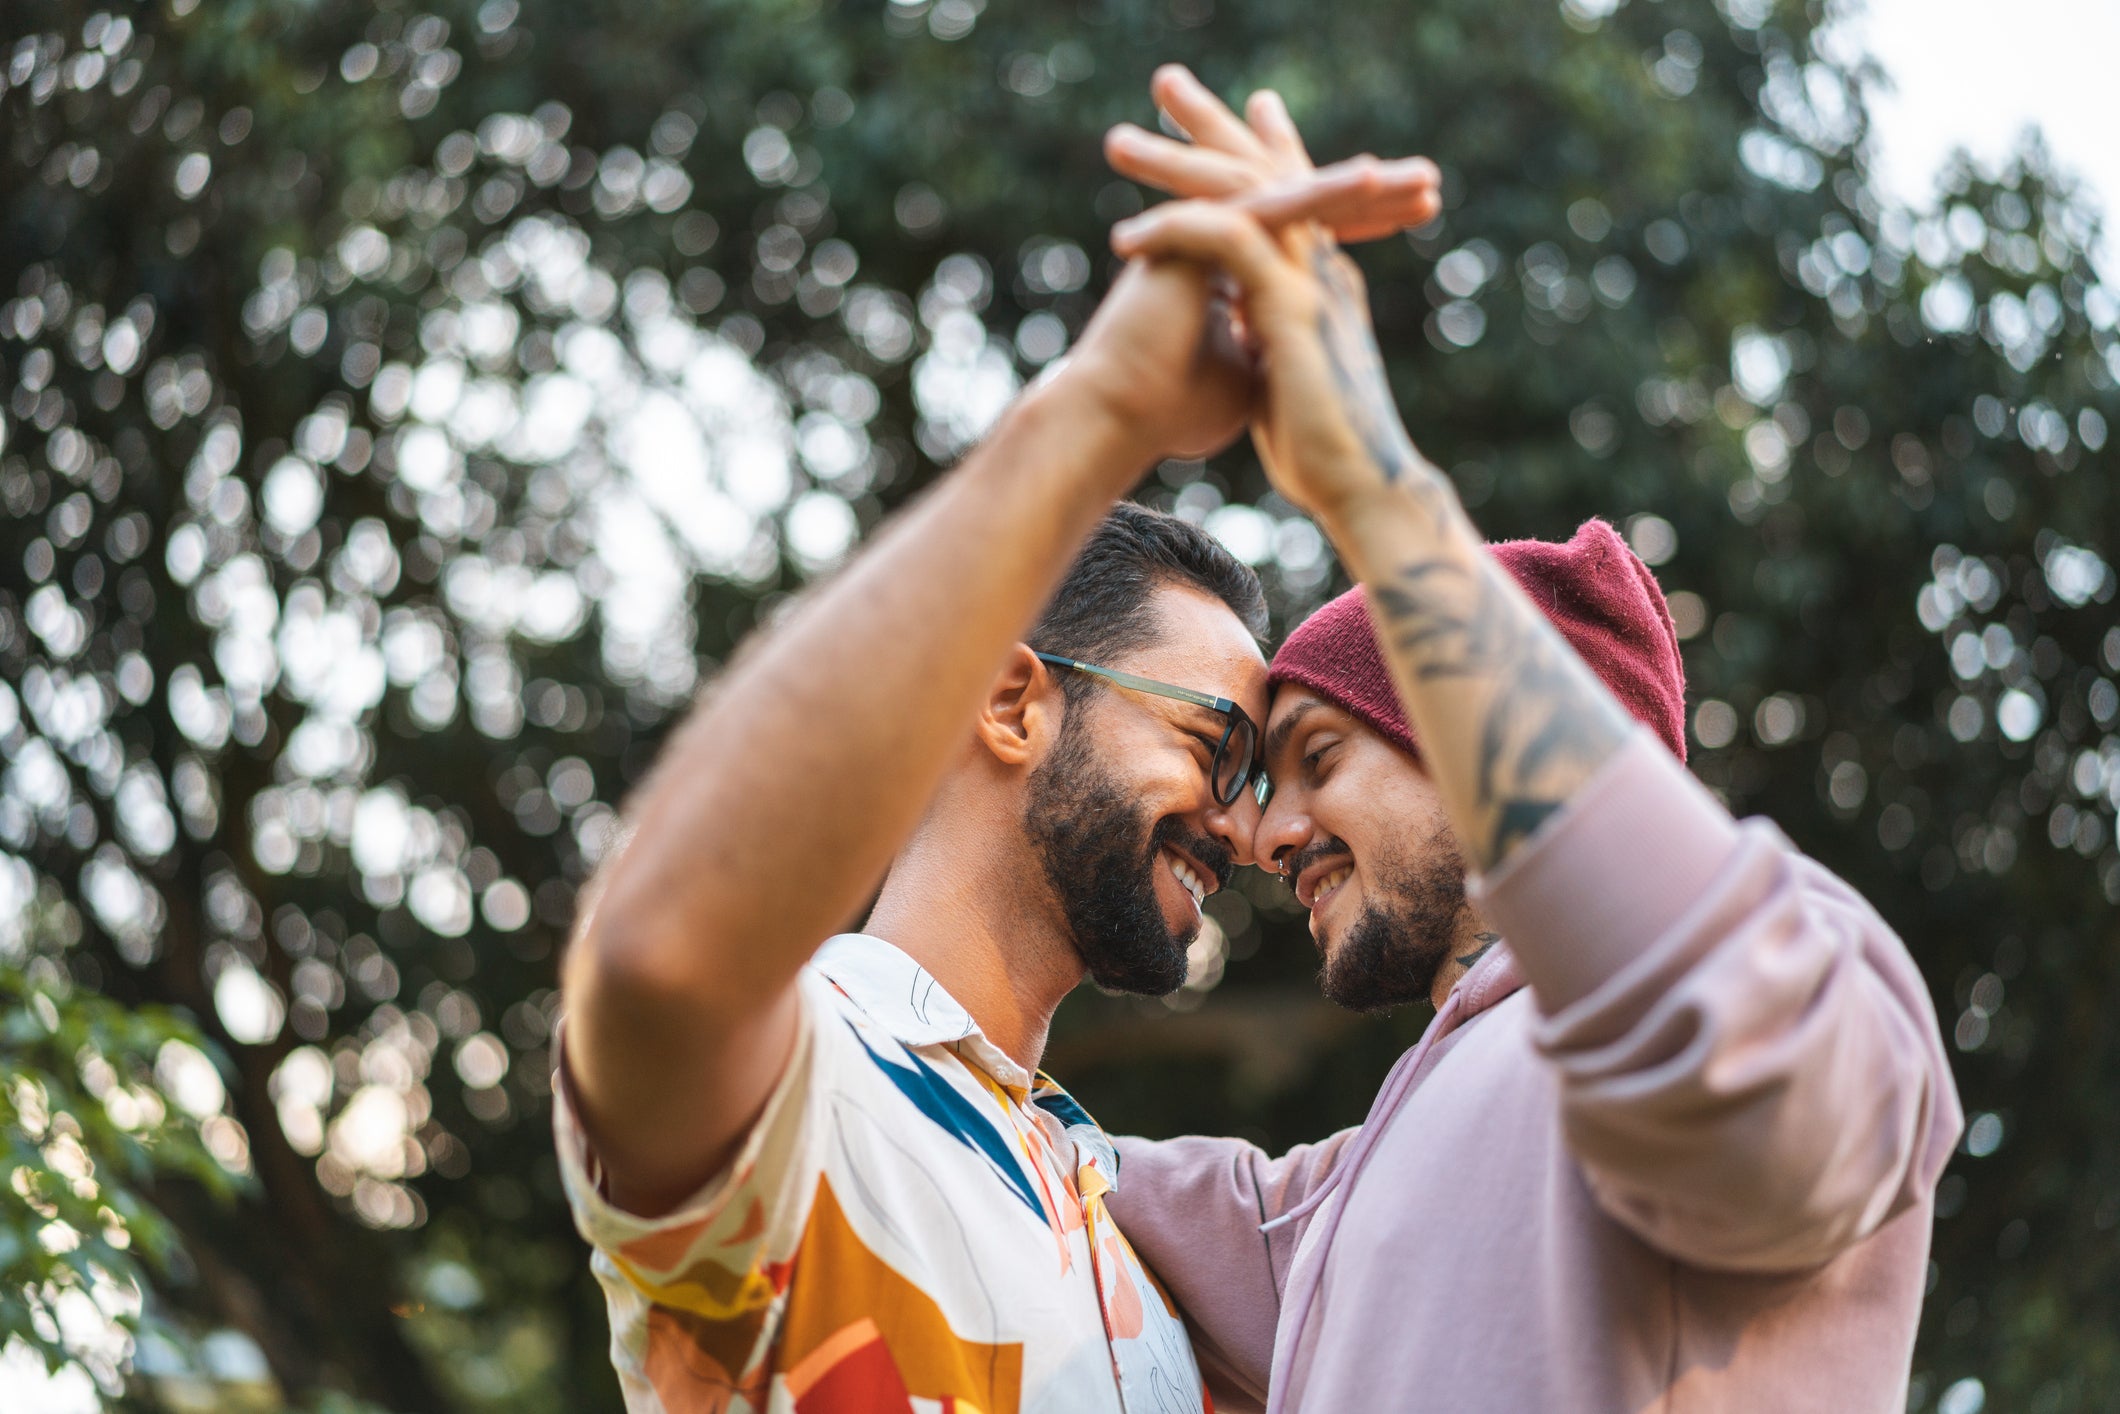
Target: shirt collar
x: 904, y: 998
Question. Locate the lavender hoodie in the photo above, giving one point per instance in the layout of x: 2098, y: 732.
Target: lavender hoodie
x: 1673, y: 1148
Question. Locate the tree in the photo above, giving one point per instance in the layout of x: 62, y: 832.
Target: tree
x: 409, y: 408
x: 100, y: 1103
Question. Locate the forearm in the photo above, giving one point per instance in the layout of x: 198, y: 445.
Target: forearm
x: 1511, y: 722
x: 779, y: 802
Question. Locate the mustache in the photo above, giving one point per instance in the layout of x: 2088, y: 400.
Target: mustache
x: 1330, y: 847
x: 1211, y: 854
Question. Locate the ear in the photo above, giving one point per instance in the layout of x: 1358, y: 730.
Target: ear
x: 1021, y: 714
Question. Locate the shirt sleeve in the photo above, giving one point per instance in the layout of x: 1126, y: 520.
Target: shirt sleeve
x: 1751, y: 1073
x: 1192, y: 1208
x: 707, y: 1255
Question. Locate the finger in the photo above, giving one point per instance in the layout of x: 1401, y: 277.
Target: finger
x: 1357, y: 233
x: 1205, y: 118
x: 1216, y: 235
x: 1360, y: 199
x: 1270, y: 120
x: 1347, y: 187
x: 1350, y: 219
x: 1179, y: 168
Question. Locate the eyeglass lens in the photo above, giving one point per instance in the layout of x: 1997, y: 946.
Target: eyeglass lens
x: 1233, y: 764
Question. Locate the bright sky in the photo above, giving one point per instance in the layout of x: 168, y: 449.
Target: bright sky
x: 1976, y: 73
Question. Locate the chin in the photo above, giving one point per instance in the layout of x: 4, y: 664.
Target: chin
x: 1145, y: 973
x: 1377, y: 963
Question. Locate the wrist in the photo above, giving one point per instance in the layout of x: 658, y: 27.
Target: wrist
x: 1057, y: 454
x: 1375, y: 529
x: 1074, y: 401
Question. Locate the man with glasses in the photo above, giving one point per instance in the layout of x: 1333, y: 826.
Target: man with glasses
x: 827, y: 1175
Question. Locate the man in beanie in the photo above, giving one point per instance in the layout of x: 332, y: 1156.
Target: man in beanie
x: 1671, y: 1140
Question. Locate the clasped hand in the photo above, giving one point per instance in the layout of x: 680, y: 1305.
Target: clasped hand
x: 1278, y: 334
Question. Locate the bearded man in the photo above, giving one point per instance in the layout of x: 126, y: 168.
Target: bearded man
x: 1672, y: 1139
x: 823, y: 1172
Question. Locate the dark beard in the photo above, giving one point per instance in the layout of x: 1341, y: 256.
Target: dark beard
x: 1410, y: 918
x: 1100, y: 856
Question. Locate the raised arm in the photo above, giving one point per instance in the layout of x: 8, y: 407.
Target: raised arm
x: 779, y: 802
x: 1750, y: 1070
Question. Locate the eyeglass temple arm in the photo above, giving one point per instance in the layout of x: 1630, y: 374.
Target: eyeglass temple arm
x: 1140, y: 684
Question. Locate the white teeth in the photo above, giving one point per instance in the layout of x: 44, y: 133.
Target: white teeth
x: 1184, y: 875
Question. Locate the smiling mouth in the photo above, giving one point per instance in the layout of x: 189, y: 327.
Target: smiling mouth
x: 1329, y: 885
x: 1188, y: 877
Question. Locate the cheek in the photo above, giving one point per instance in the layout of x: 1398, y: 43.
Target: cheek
x: 1175, y: 775
x: 1161, y: 781
x: 1382, y: 800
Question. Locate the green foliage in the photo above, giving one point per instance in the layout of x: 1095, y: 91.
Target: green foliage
x: 92, y: 1127
x: 406, y: 408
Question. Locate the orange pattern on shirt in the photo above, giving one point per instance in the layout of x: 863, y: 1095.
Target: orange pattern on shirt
x: 856, y: 1338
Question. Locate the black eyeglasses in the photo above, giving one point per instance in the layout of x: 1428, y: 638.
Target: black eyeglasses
x: 1236, y: 755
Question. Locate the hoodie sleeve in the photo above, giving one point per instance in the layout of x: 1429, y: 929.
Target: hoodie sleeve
x: 1192, y: 1208
x: 1751, y: 1073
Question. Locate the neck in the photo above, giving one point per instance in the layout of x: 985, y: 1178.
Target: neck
x: 957, y: 906
x: 1475, y: 938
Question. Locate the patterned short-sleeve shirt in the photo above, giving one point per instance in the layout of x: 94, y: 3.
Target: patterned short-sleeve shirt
x: 915, y: 1223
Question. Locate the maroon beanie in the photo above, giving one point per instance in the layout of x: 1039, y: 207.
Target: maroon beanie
x: 1596, y: 591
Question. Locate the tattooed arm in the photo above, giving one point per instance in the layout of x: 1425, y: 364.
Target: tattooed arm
x: 1512, y: 721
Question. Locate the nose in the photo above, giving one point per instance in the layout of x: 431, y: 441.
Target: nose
x: 1235, y: 825
x: 1284, y: 828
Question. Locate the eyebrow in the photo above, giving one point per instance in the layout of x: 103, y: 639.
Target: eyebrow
x: 1277, y: 739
